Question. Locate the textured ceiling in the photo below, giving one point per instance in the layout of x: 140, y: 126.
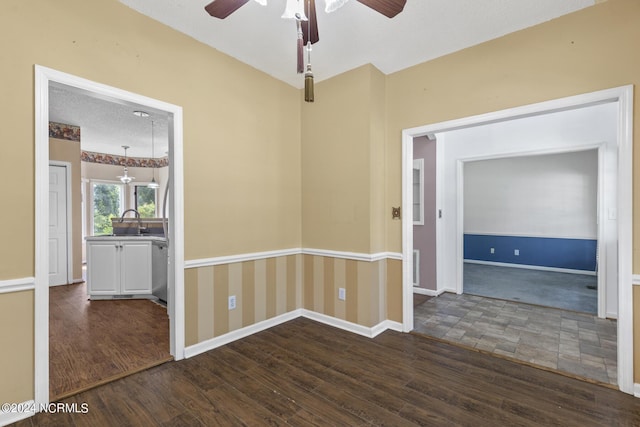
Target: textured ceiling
x: 353, y: 35
x: 108, y: 124
x: 256, y: 35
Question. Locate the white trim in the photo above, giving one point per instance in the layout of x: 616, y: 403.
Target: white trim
x: 212, y: 343
x: 636, y: 279
x: 369, y: 332
x: 419, y: 165
x: 531, y: 267
x: 69, y: 198
x: 206, y: 262
x: 7, y: 418
x: 229, y: 337
x: 416, y: 267
x: 625, y: 241
x: 41, y: 293
x: 407, y: 230
x: 636, y: 390
x: 624, y: 97
x: 429, y: 292
x: 253, y: 256
x: 352, y: 255
x: 17, y: 285
x: 43, y: 77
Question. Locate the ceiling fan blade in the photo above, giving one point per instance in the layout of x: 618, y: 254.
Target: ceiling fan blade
x: 310, y: 11
x: 388, y: 8
x: 223, y: 8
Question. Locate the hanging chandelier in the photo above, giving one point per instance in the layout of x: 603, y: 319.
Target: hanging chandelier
x: 125, y: 178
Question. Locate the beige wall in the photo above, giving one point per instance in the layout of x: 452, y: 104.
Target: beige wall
x: 263, y: 288
x: 241, y: 137
x: 343, y: 163
x: 69, y: 151
x: 16, y: 333
x: 251, y: 146
x: 585, y: 51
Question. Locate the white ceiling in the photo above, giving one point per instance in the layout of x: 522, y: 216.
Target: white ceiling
x: 108, y: 124
x: 352, y: 36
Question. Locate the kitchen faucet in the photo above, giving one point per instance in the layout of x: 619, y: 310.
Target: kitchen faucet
x: 141, y: 229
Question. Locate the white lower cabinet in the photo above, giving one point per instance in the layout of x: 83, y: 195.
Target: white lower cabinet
x: 118, y: 268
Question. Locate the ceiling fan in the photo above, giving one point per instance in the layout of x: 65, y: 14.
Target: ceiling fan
x: 304, y: 13
x: 389, y: 8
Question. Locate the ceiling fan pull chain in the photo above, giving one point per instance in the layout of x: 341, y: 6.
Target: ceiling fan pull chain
x: 300, y: 46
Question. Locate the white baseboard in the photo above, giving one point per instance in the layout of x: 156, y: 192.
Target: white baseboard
x: 429, y: 292
x: 7, y: 418
x: 210, y: 344
x: 531, y: 267
x: 636, y: 390
x: 353, y: 327
x: 636, y: 279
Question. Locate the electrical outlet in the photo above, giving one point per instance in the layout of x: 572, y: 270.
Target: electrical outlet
x: 516, y: 252
x: 493, y: 250
x: 232, y: 302
x: 342, y: 294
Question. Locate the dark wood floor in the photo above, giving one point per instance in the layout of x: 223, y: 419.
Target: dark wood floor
x: 307, y: 373
x: 92, y: 342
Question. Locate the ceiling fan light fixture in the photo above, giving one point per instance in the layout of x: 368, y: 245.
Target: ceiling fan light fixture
x: 295, y: 10
x: 333, y: 5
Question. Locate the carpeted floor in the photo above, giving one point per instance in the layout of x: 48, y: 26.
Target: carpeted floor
x: 577, y: 292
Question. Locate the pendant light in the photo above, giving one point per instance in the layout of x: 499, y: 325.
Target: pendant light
x: 125, y: 178
x: 153, y: 183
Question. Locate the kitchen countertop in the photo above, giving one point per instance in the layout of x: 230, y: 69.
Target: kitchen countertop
x: 107, y: 238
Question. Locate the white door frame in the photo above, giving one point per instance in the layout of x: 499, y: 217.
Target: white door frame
x: 43, y: 77
x: 623, y: 96
x: 69, y: 216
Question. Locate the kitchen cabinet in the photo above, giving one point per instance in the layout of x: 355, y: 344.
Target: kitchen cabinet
x: 119, y: 267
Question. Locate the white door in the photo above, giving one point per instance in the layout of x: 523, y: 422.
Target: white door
x: 57, y: 225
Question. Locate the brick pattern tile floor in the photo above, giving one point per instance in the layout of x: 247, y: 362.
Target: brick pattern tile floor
x: 577, y: 343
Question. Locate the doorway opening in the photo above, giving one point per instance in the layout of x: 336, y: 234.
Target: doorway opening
x: 531, y: 229
x: 614, y: 249
x: 45, y: 79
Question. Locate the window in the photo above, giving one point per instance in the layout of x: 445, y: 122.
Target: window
x: 418, y: 192
x: 108, y: 202
x: 144, y: 201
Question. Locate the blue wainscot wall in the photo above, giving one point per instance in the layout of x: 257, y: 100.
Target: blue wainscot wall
x: 572, y: 254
